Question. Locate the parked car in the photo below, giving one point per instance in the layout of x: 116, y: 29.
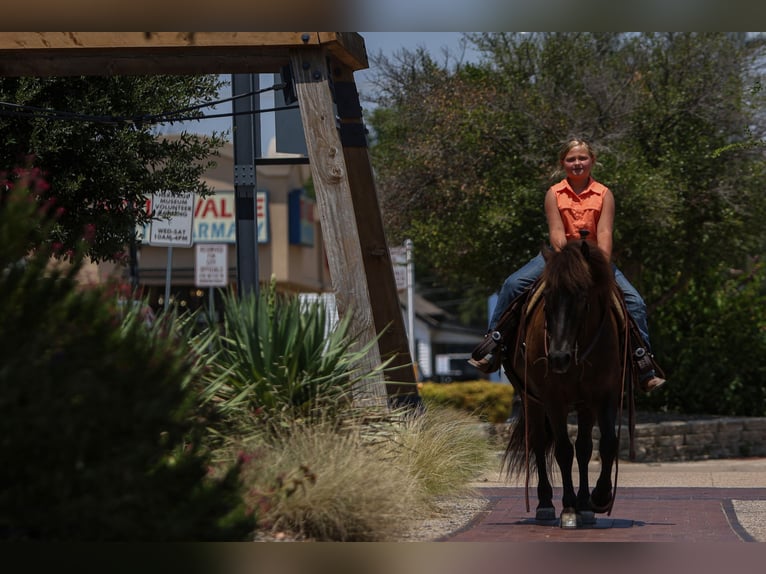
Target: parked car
x: 451, y: 367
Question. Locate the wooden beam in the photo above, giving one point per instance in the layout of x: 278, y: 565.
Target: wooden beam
x: 136, y: 53
x: 336, y: 211
x: 386, y: 308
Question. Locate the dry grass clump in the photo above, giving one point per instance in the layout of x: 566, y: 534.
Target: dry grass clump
x: 362, y: 482
x: 319, y: 483
x: 445, y: 449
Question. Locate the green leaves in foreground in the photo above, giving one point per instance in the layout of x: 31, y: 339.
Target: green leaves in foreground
x: 279, y: 356
x: 98, y: 434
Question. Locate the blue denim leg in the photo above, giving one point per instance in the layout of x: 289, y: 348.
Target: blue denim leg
x: 635, y: 304
x: 515, y: 284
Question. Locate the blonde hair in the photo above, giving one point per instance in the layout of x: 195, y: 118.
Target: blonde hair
x: 573, y: 142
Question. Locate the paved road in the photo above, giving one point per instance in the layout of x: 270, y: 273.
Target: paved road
x: 706, y: 501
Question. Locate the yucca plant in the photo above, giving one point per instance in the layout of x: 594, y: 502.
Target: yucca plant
x: 280, y: 357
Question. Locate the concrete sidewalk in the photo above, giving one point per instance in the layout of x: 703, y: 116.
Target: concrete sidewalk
x: 727, y: 494
x: 719, y: 473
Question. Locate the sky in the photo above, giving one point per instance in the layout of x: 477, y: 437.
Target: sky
x: 385, y: 43
x: 388, y: 43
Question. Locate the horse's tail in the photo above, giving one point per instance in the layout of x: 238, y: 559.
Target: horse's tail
x: 520, y: 458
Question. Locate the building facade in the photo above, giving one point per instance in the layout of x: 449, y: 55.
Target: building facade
x: 290, y: 249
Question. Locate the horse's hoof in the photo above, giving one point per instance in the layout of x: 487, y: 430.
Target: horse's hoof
x: 568, y: 519
x: 601, y: 508
x: 545, y: 514
x: 587, y: 516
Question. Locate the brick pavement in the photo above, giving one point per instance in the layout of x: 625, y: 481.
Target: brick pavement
x: 640, y: 514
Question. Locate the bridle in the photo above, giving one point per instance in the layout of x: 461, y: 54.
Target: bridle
x: 599, y: 332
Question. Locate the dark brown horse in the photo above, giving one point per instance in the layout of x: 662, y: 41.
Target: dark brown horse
x: 568, y: 358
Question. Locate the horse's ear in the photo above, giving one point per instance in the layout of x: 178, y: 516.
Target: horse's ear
x: 547, y: 252
x: 585, y: 250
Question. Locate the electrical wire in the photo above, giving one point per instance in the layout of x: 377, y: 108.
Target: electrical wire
x: 12, y: 110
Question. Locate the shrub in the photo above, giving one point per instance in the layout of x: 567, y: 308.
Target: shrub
x: 98, y: 432
x: 708, y: 343
x: 489, y: 401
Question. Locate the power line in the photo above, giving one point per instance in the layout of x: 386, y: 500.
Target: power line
x: 12, y: 110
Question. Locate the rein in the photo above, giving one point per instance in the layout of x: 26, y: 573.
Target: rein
x: 596, y: 337
x: 631, y: 405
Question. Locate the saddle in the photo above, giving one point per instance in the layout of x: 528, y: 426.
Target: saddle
x: 510, y: 328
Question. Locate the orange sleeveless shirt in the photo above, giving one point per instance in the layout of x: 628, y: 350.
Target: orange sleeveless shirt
x: 580, y: 211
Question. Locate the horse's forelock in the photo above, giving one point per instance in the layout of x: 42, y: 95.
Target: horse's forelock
x: 575, y: 269
x: 567, y: 270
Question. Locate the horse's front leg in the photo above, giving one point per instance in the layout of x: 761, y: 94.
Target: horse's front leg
x: 564, y: 452
x: 601, y: 497
x: 583, y: 453
x: 540, y: 440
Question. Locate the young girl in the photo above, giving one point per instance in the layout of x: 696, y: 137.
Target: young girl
x: 578, y: 202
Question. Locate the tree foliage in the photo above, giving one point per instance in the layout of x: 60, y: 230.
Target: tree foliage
x: 94, y: 140
x: 464, y: 153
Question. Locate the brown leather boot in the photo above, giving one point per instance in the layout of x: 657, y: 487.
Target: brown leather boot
x: 648, y: 380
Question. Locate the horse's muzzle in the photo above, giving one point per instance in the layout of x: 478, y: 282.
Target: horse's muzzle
x: 559, y: 361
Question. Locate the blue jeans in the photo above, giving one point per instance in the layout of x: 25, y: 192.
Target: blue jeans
x: 521, y: 279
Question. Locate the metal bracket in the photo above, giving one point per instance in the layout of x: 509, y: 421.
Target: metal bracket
x: 244, y: 174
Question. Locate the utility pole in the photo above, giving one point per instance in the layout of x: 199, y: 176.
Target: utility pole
x: 247, y: 147
x: 408, y: 246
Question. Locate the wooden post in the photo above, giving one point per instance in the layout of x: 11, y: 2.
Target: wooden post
x: 386, y: 308
x: 336, y: 210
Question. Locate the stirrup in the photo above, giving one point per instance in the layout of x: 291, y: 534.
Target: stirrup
x: 488, y: 346
x: 487, y: 364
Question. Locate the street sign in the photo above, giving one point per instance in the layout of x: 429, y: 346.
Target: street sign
x: 173, y: 219
x: 399, y: 263
x: 211, y: 265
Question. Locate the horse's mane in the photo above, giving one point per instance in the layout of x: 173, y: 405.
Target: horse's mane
x: 578, y: 267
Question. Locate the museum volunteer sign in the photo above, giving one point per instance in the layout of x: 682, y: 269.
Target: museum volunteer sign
x: 214, y: 220
x: 173, y: 221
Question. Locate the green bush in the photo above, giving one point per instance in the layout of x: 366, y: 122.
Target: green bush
x: 489, y: 401
x: 708, y: 343
x: 98, y: 431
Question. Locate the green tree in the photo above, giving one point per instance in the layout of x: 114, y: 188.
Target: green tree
x: 95, y: 141
x: 465, y: 152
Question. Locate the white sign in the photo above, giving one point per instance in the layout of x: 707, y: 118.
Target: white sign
x: 211, y: 268
x: 173, y: 219
x: 399, y: 262
x: 214, y: 220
